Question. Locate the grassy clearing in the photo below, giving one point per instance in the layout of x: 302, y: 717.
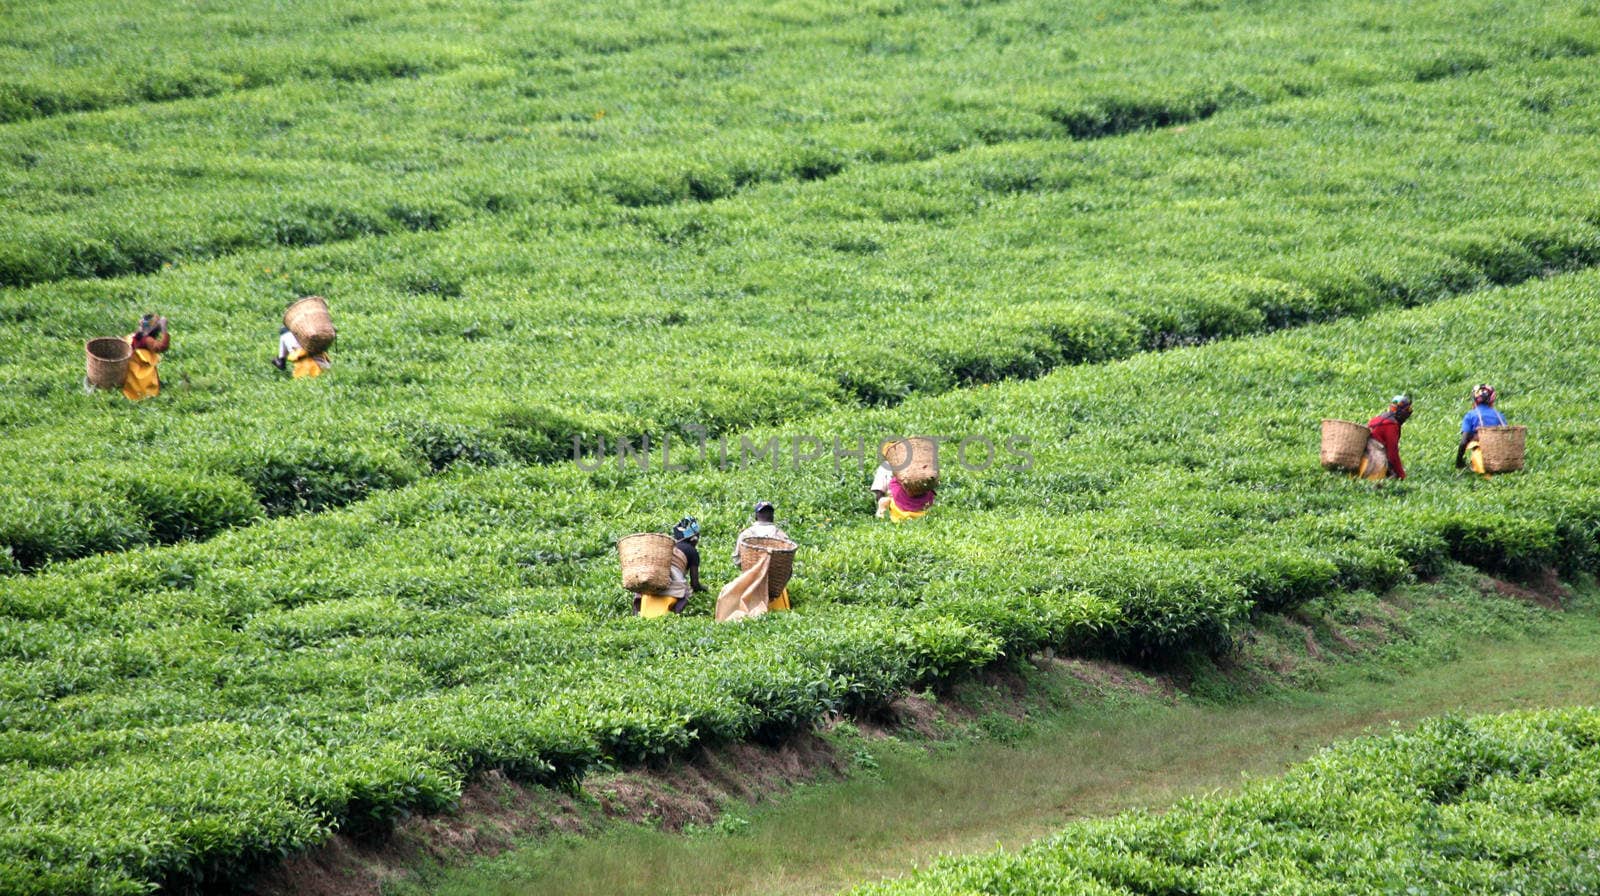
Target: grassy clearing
x: 1089, y: 752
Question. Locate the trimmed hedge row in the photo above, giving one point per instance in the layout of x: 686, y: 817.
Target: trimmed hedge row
x: 416, y: 120
x: 472, y: 620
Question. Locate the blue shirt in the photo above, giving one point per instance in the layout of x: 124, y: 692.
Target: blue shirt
x: 1482, y: 415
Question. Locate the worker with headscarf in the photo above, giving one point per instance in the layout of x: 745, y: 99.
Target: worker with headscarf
x: 1483, y: 414
x: 685, y: 574
x: 1383, y: 448
x: 290, y: 353
x: 148, y: 342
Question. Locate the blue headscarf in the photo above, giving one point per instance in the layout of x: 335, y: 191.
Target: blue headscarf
x: 687, y: 528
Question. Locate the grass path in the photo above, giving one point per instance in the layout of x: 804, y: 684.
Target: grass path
x: 1086, y: 760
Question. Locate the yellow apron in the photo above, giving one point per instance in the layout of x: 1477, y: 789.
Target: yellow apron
x: 307, y: 365
x: 779, y: 603
x: 652, y: 606
x: 141, y: 380
x: 1374, y: 463
x: 1476, y: 454
x: 900, y: 516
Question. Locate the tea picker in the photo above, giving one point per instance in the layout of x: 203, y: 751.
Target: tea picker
x: 761, y: 529
x: 662, y: 570
x: 148, y: 342
x: 291, y: 352
x: 1483, y: 414
x: 1382, y: 460
x: 765, y: 555
x: 305, y: 338
x: 762, y: 526
x: 912, y: 485
x: 1492, y: 445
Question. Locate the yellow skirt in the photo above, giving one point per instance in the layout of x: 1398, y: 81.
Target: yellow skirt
x: 779, y: 603
x: 141, y: 380
x: 900, y: 516
x: 1374, y: 463
x: 307, y: 365
x: 1476, y: 454
x: 653, y: 606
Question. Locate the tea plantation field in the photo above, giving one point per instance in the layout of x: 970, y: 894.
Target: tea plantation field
x: 1495, y: 804
x: 759, y: 217
x: 173, y: 712
x: 1154, y: 243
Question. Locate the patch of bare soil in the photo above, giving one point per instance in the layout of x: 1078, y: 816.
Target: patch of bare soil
x: 1106, y: 676
x: 1544, y: 590
x: 913, y: 712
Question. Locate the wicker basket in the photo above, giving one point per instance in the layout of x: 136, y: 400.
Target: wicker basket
x: 782, y: 567
x: 1343, y: 444
x: 310, y: 322
x: 1502, y: 447
x: 919, y: 473
x: 646, y: 562
x: 107, y: 358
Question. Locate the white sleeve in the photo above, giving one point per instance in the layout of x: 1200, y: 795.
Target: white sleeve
x: 880, y: 479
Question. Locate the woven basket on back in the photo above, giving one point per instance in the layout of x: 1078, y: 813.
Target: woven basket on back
x: 107, y: 361
x: 646, y: 562
x: 916, y: 464
x: 782, y: 566
x: 1343, y: 443
x: 309, y: 321
x: 1502, y: 447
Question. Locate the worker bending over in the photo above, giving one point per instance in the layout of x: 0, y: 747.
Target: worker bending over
x: 148, y: 343
x: 1383, y: 448
x: 290, y: 352
x: 685, y: 574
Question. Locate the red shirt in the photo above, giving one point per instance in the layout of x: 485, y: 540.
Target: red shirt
x: 143, y: 340
x: 1386, y: 430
